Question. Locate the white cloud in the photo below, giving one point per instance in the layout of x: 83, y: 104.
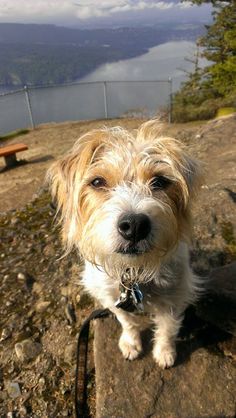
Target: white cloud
x: 35, y: 8
x: 108, y: 7
x: 185, y: 5
x: 38, y: 10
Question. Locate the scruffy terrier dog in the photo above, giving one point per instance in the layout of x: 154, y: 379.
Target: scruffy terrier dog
x: 124, y: 201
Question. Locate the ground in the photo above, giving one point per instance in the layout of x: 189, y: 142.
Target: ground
x: 41, y: 302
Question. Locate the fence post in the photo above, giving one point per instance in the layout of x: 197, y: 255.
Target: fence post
x: 105, y: 98
x: 170, y: 99
x: 29, y: 106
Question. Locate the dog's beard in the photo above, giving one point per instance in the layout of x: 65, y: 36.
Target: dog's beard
x: 102, y: 245
x: 142, y: 260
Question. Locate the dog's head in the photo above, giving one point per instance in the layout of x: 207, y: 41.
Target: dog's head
x: 124, y: 200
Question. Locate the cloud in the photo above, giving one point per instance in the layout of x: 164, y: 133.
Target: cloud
x: 35, y: 8
x: 108, y: 7
x: 39, y: 10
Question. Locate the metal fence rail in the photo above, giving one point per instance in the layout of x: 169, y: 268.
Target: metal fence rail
x: 32, y: 106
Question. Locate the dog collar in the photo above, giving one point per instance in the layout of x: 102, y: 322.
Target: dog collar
x: 131, y: 297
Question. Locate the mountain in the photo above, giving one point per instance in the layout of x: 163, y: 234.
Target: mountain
x: 48, y: 54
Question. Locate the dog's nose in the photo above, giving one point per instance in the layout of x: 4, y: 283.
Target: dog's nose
x: 134, y: 227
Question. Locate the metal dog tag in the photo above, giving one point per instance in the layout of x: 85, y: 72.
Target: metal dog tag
x: 137, y: 297
x: 130, y: 299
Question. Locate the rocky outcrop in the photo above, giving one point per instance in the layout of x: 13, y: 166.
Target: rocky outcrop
x: 202, y: 382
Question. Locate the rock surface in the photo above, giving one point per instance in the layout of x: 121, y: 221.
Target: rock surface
x: 219, y: 305
x: 201, y: 384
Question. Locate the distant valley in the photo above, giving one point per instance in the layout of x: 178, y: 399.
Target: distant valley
x: 46, y: 54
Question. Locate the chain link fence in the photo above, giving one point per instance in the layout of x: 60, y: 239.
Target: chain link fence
x: 32, y: 106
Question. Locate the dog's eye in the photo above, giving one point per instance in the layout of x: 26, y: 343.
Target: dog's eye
x: 98, y: 182
x: 160, y: 183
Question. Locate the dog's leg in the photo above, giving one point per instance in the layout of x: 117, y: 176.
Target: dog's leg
x: 167, y: 328
x: 130, y: 341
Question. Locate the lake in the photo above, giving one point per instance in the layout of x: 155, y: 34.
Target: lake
x: 159, y: 63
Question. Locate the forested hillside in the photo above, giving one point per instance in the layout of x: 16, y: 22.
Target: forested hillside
x: 47, y: 54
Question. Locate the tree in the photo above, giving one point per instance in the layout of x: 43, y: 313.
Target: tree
x: 213, y: 2
x: 218, y: 79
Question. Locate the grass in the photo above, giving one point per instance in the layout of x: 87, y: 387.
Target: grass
x: 14, y: 134
x: 224, y: 111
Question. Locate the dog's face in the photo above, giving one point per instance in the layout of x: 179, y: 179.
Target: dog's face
x: 124, y: 200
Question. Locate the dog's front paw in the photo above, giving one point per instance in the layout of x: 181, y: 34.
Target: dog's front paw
x: 130, y: 345
x: 164, y: 355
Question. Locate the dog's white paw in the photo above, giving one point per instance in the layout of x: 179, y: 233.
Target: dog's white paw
x: 130, y: 345
x: 164, y: 355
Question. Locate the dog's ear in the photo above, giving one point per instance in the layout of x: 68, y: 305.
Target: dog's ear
x: 192, y: 172
x: 65, y: 178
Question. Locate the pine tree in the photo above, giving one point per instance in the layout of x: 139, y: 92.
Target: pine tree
x: 218, y: 80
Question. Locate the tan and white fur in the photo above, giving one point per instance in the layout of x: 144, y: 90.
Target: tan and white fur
x: 124, y: 201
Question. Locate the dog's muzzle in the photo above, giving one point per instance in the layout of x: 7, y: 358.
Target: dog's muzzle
x: 133, y: 228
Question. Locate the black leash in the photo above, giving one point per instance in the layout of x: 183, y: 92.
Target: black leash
x: 81, y: 363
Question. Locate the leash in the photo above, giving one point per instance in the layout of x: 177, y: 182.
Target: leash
x: 81, y: 410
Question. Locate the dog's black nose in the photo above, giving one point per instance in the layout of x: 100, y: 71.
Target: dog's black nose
x: 134, y: 227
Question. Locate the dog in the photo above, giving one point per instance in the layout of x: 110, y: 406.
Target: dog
x: 124, y: 201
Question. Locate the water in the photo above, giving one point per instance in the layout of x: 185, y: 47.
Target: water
x: 4, y: 89
x: 159, y: 63
x: 113, y: 99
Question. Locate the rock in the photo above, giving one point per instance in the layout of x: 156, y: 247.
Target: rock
x: 21, y: 276
x: 201, y: 383
x: 49, y: 250
x: 42, y: 306
x: 6, y: 333
x: 41, y: 384
x: 70, y: 313
x: 23, y: 411
x: 70, y: 353
x: 229, y: 348
x: 27, y: 350
x: 65, y: 413
x: 3, y: 395
x: 78, y: 298
x: 218, y: 306
x: 14, y: 220
x: 27, y: 279
x: 13, y: 389
x: 37, y: 288
x: 223, y: 281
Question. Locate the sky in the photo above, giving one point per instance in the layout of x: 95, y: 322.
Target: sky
x: 72, y: 12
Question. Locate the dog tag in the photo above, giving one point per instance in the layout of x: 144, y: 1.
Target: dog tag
x: 130, y: 299
x: 125, y: 300
x: 137, y: 297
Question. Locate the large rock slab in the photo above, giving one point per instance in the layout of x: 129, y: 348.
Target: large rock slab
x: 218, y: 306
x: 202, y: 382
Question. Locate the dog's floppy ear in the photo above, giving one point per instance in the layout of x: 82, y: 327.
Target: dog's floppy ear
x: 192, y: 172
x: 65, y: 177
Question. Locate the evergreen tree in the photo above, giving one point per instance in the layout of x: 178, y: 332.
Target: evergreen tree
x: 218, y: 79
